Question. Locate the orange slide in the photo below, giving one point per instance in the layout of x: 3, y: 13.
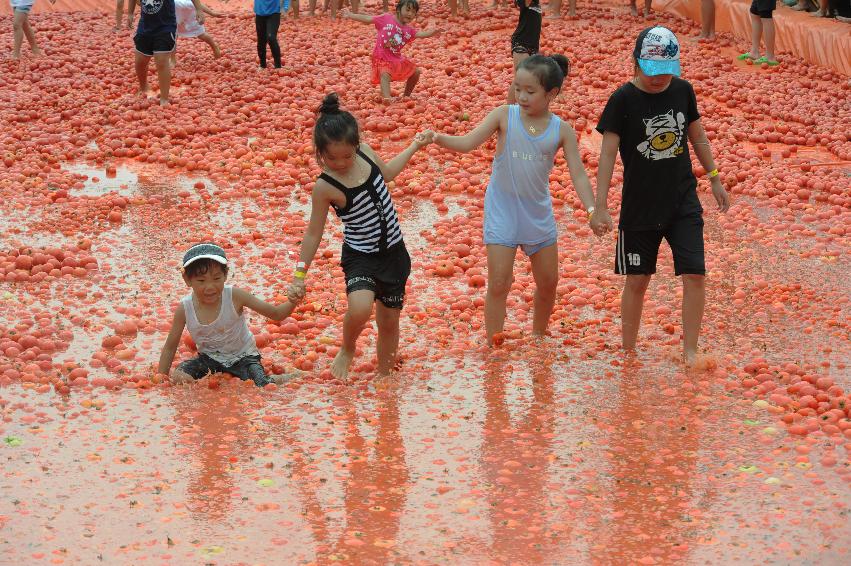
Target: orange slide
x: 820, y: 41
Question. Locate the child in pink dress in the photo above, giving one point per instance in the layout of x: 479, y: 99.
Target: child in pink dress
x: 393, y: 33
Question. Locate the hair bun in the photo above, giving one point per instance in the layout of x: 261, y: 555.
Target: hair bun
x: 330, y: 104
x: 562, y: 62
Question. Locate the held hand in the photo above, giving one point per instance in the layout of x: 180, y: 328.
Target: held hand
x: 601, y: 222
x: 199, y: 15
x: 435, y: 31
x: 720, y: 194
x: 422, y: 139
x: 297, y: 290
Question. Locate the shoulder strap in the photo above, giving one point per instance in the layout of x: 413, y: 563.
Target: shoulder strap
x: 334, y: 182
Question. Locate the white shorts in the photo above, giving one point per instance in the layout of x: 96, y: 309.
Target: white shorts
x: 187, y: 23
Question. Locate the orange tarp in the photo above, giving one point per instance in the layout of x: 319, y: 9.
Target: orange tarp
x: 43, y: 6
x: 816, y: 40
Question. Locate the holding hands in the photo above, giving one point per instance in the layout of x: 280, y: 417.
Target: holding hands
x: 601, y: 222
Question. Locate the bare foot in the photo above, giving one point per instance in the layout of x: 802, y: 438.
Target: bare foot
x: 15, y: 56
x: 37, y: 51
x: 633, y: 11
x: 144, y: 90
x: 178, y: 377
x: 284, y: 378
x: 164, y: 102
x: 217, y: 52
x: 341, y: 364
x: 689, y: 358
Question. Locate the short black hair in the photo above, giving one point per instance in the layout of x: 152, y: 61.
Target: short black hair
x: 333, y: 125
x: 402, y: 3
x: 550, y: 70
x: 202, y: 266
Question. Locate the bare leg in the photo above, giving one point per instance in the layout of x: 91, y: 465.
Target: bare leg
x: 453, y: 7
x: 647, y: 4
x: 545, y: 273
x: 387, y: 346
x: 500, y: 277
x: 571, y: 8
x: 633, y: 9
x: 756, y: 35
x: 142, y: 63
x: 30, y: 35
x: 355, y: 6
x: 294, y: 7
x: 555, y: 9
x: 707, y: 19
x: 333, y: 8
x: 768, y: 36
x: 357, y: 315
x: 411, y: 83
x: 172, y: 59
x: 119, y: 13
x: 208, y: 39
x: 164, y: 76
x: 632, y: 302
x: 694, y: 293
x: 18, y: 33
x: 311, y: 7
x: 385, y: 87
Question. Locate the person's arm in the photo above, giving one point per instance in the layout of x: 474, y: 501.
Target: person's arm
x: 574, y: 165
x: 428, y: 32
x: 210, y: 12
x: 242, y: 298
x: 362, y: 18
x: 320, y: 201
x: 390, y: 170
x: 601, y: 220
x: 703, y: 151
x: 199, y: 11
x: 475, y: 138
x: 173, y: 339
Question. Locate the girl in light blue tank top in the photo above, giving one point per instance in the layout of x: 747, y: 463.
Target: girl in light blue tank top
x: 518, y: 205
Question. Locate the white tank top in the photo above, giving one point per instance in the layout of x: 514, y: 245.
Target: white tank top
x: 228, y: 338
x: 518, y: 205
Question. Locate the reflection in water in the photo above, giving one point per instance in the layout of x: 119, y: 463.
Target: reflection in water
x: 216, y: 434
x: 375, y: 491
x: 653, y: 436
x: 515, y: 457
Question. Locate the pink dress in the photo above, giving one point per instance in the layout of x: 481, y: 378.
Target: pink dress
x: 387, y: 56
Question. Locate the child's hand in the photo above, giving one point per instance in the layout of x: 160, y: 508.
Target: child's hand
x: 199, y: 15
x: 295, y: 295
x: 720, y: 194
x: 422, y: 139
x: 601, y: 222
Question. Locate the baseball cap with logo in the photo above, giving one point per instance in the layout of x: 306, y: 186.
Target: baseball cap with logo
x: 658, y: 51
x: 204, y: 251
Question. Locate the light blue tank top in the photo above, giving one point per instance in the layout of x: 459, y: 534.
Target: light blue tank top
x: 518, y: 206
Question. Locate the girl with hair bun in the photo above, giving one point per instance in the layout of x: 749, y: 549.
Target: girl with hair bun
x: 374, y: 258
x: 518, y: 206
x: 394, y: 31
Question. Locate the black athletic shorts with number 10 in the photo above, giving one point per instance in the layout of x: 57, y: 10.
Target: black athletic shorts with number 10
x: 637, y: 250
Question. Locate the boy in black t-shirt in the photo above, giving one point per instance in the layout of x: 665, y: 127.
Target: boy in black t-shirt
x: 155, y: 37
x: 648, y: 119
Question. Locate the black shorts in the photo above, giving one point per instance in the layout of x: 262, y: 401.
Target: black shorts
x: 527, y: 37
x: 150, y: 44
x: 383, y: 273
x: 763, y: 8
x: 246, y: 368
x: 637, y: 250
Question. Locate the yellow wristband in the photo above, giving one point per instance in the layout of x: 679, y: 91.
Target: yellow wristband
x: 713, y: 173
x: 300, y: 274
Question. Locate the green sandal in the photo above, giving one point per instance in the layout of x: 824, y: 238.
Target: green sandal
x: 762, y: 60
x: 744, y: 56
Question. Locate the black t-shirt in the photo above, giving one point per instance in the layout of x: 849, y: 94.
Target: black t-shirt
x: 658, y: 182
x: 157, y: 17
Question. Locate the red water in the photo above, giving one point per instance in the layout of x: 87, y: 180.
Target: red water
x: 559, y: 451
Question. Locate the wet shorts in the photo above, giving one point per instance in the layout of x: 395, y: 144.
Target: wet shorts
x: 528, y: 249
x: 637, y: 250
x: 154, y: 43
x: 246, y: 368
x: 763, y: 8
x: 384, y: 273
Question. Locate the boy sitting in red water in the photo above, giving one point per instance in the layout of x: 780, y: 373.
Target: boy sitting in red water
x: 214, y: 314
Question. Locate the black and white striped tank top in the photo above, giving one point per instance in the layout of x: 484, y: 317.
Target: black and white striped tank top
x: 369, y: 218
